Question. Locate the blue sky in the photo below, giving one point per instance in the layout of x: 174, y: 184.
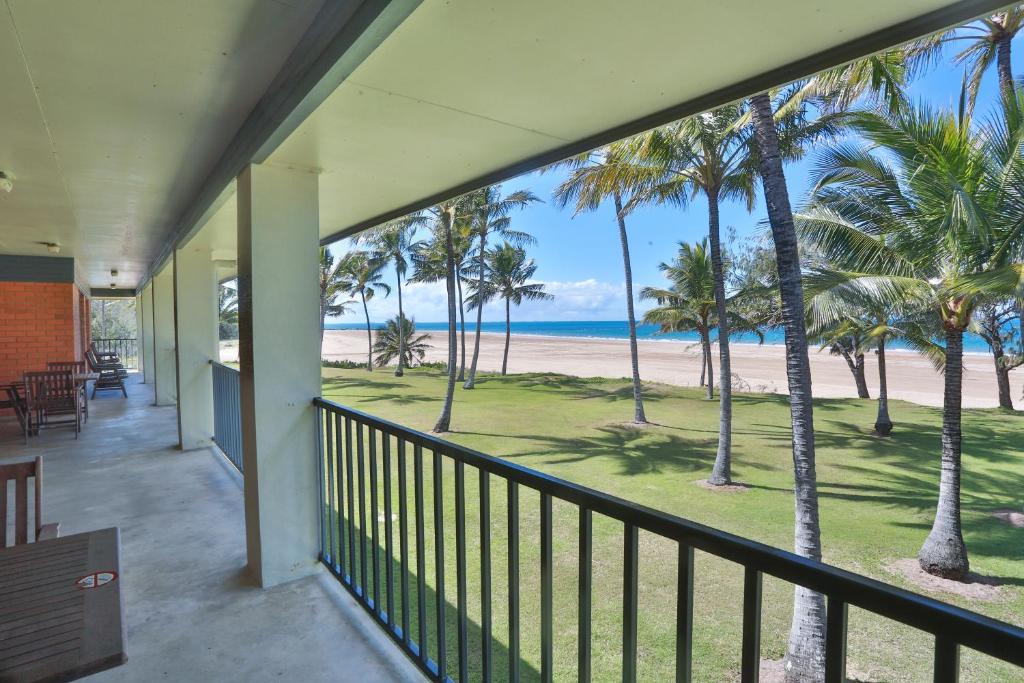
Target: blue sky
x: 579, y: 258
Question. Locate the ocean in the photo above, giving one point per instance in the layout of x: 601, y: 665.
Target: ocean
x: 616, y: 329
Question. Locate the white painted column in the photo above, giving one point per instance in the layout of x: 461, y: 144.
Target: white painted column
x: 196, y: 340
x: 138, y: 332
x: 278, y: 240
x: 165, y: 375
x: 146, y: 353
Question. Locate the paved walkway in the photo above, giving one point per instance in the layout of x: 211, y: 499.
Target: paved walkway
x: 191, y: 613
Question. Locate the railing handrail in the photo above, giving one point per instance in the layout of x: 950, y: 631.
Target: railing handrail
x: 223, y: 365
x: 103, y: 339
x: 976, y: 631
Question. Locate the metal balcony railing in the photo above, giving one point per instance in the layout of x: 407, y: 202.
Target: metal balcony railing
x: 358, y: 455
x: 227, y: 422
x: 127, y: 350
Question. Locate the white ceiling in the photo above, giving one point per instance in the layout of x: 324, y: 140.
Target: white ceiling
x: 464, y: 88
x: 114, y: 111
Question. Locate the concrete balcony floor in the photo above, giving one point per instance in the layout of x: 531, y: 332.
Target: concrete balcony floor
x: 191, y: 612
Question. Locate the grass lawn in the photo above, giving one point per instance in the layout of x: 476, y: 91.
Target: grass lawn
x: 877, y: 501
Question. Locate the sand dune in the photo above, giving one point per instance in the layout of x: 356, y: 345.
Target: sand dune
x: 755, y: 368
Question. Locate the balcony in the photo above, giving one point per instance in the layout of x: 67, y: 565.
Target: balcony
x: 191, y: 612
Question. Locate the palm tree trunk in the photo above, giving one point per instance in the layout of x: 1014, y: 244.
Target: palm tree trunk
x: 323, y: 321
x: 369, y: 335
x: 944, y: 553
x: 445, y: 418
x: 508, y: 335
x: 855, y: 362
x: 471, y: 380
x: 638, y: 401
x: 721, y: 473
x: 708, y: 366
x: 1002, y: 372
x: 400, y: 370
x: 462, y: 319
x: 805, y: 653
x: 1004, y: 67
x: 883, y: 425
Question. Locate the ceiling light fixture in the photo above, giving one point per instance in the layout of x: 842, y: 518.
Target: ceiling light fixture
x: 6, y: 181
x: 51, y: 247
x: 113, y: 272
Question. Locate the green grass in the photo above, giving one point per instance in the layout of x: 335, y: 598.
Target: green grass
x: 877, y: 498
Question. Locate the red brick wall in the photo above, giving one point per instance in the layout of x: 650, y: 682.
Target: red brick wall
x: 39, y: 322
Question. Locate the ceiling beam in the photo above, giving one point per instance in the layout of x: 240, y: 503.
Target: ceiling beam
x: 952, y: 15
x: 341, y: 36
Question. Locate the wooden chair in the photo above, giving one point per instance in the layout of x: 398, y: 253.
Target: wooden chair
x: 50, y: 397
x: 75, y: 367
x: 111, y: 374
x: 104, y: 356
x: 20, y: 473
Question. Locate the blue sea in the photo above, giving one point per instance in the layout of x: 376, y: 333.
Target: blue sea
x: 613, y: 329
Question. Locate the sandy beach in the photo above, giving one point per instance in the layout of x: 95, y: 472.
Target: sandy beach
x: 755, y: 368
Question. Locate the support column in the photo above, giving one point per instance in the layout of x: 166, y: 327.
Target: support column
x: 196, y: 340
x: 278, y: 240
x: 138, y: 331
x: 146, y: 336
x: 166, y: 380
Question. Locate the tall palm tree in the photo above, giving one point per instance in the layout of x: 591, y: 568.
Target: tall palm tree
x: 689, y: 302
x: 994, y: 323
x: 397, y: 337
x: 507, y: 275
x: 985, y: 42
x: 441, y: 257
x: 393, y: 243
x: 595, y: 177
x: 927, y: 214
x: 491, y: 217
x: 708, y: 155
x: 363, y: 276
x: 805, y: 652
x: 332, y: 286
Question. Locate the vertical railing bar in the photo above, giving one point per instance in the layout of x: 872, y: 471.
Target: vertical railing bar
x: 349, y: 480
x: 586, y: 545
x: 750, y: 662
x: 403, y: 539
x: 374, y: 519
x: 513, y: 580
x: 460, y: 568
x: 388, y: 529
x: 340, y: 488
x: 325, y: 437
x: 421, y: 568
x: 442, y: 642
x: 684, y: 615
x: 629, y: 601
x: 320, y: 477
x: 486, y: 649
x: 835, y: 640
x: 361, y: 473
x: 546, y: 606
x: 947, y: 660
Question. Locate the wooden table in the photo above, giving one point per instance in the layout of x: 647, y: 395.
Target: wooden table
x: 60, y: 608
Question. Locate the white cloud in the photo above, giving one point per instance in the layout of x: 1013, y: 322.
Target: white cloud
x: 588, y: 299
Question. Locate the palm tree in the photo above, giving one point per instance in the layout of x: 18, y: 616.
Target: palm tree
x: 393, y: 243
x: 689, y: 302
x: 805, y: 653
x: 396, y: 339
x: 362, y: 275
x: 507, y: 276
x: 987, y: 41
x: 595, y: 177
x: 227, y: 310
x: 927, y: 215
x: 492, y: 218
x: 843, y: 337
x: 708, y: 155
x: 332, y: 286
x: 441, y: 257
x: 994, y: 323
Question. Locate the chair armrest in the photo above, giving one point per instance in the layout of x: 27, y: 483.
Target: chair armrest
x: 49, y: 531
